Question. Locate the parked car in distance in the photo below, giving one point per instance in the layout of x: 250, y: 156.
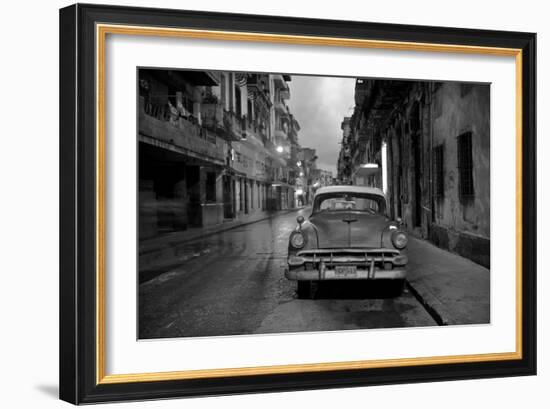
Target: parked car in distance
x: 348, y: 236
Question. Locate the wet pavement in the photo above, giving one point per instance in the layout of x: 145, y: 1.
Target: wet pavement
x: 232, y: 283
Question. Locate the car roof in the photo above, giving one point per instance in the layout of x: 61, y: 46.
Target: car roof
x: 350, y: 189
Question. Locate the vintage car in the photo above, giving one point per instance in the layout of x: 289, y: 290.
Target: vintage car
x: 348, y: 236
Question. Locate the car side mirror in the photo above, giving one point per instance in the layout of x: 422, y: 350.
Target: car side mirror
x: 300, y: 220
x: 399, y: 221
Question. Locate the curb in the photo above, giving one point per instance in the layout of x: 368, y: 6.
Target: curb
x: 428, y: 306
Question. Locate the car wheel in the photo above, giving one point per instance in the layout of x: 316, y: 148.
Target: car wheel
x: 397, y: 287
x: 303, y: 289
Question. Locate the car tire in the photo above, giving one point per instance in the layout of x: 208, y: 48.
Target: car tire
x: 397, y: 287
x: 303, y: 289
x: 307, y: 289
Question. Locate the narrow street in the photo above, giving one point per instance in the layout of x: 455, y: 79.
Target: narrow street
x: 233, y: 283
x: 226, y: 161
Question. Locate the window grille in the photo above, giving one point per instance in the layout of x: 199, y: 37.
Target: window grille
x: 465, y: 165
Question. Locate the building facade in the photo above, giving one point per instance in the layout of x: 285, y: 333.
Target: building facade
x: 307, y: 168
x: 321, y: 178
x: 427, y: 145
x: 213, y: 146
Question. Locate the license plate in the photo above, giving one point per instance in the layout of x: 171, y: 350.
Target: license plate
x: 345, y: 271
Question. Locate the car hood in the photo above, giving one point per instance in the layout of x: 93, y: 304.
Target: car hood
x: 349, y: 229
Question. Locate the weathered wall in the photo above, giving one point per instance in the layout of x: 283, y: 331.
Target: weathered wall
x: 434, y: 115
x: 463, y: 225
x: 453, y: 116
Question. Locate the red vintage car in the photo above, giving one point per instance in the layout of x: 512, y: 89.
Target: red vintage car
x: 348, y: 236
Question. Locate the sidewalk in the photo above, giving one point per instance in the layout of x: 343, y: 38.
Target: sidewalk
x: 454, y: 288
x: 163, y: 252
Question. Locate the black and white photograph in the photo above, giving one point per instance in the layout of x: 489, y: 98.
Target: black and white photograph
x: 283, y: 203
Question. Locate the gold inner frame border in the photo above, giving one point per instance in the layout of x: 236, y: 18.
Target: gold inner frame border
x: 102, y: 30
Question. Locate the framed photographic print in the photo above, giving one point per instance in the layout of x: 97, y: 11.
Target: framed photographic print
x: 258, y: 203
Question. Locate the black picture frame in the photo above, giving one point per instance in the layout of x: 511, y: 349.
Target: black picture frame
x: 78, y: 194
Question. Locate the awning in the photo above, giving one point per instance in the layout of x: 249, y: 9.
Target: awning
x: 179, y: 77
x: 209, y: 78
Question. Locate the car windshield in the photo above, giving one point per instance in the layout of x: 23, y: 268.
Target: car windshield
x: 349, y: 201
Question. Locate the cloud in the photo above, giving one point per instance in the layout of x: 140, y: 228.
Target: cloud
x: 320, y: 104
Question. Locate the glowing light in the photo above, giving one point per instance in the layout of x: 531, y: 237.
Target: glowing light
x: 384, y: 154
x: 301, y: 174
x: 299, y: 192
x: 280, y: 149
x: 299, y: 163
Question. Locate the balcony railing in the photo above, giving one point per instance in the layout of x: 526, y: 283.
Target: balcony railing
x: 166, y: 125
x: 267, y: 143
x: 293, y: 136
x: 234, y: 125
x: 226, y: 124
x: 281, y: 107
x: 280, y: 135
x: 212, y: 116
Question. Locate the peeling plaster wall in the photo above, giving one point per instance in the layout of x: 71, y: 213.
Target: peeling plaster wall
x: 431, y: 115
x: 463, y: 225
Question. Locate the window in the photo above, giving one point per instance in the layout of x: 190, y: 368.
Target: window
x: 465, y: 166
x: 438, y: 187
x: 359, y: 202
x: 210, y: 186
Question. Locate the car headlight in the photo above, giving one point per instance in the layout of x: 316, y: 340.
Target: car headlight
x: 297, y: 240
x: 399, y: 239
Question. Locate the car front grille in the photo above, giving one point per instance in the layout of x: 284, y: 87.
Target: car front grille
x: 358, y: 257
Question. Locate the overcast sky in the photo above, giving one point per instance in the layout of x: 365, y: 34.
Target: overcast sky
x: 320, y: 104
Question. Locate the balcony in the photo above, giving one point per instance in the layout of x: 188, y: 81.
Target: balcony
x: 268, y: 144
x: 235, y: 126
x: 280, y: 135
x: 280, y: 107
x: 226, y: 124
x: 280, y: 80
x: 284, y: 94
x: 254, y: 132
x: 212, y: 117
x: 181, y: 134
x: 293, y: 136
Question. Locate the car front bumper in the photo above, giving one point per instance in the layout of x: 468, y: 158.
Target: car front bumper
x: 330, y: 274
x: 367, y: 264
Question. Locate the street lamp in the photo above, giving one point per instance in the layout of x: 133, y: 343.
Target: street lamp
x: 280, y: 149
x: 299, y: 163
